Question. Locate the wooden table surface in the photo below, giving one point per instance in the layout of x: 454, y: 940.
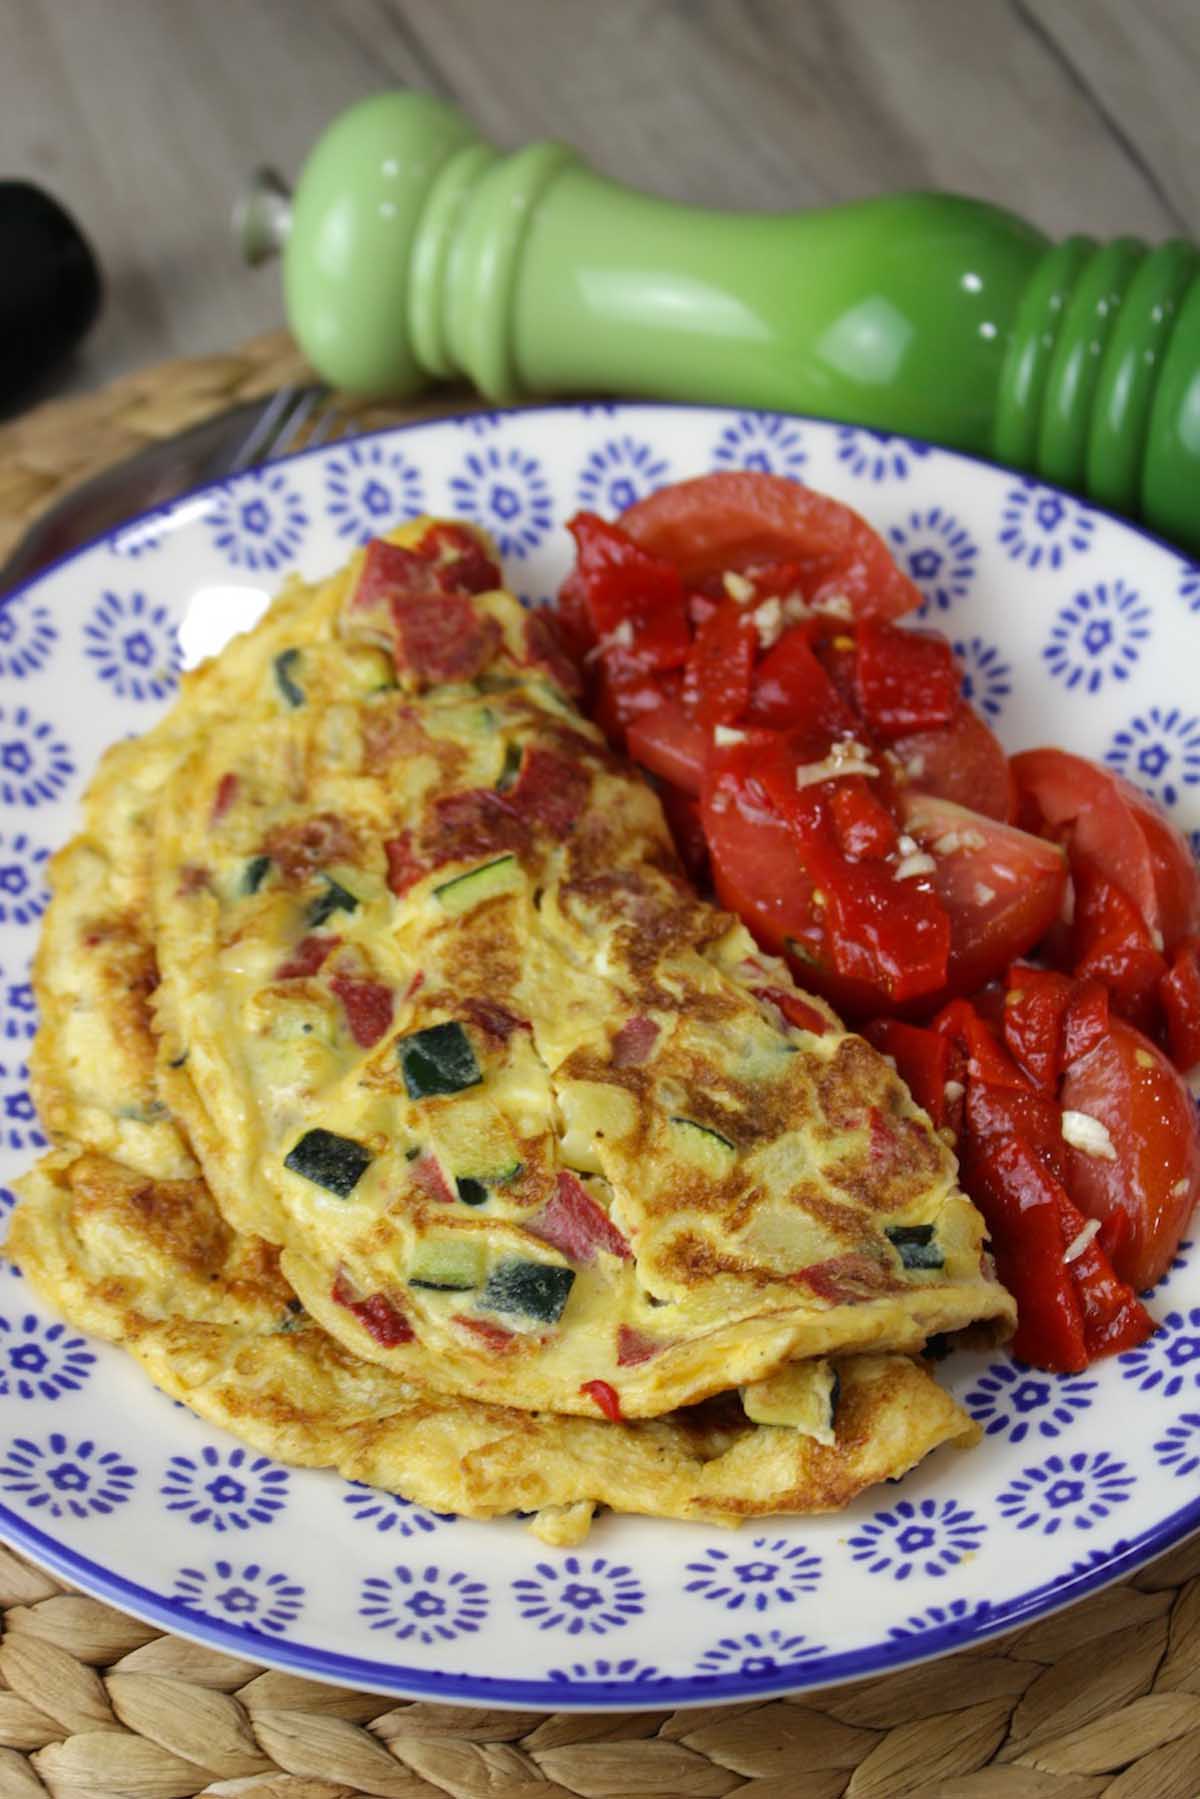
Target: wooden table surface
x: 145, y: 116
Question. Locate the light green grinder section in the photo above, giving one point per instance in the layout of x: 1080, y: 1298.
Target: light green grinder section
x: 417, y: 252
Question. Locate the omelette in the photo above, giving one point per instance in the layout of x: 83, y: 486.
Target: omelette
x: 528, y: 1121
x: 118, y: 1230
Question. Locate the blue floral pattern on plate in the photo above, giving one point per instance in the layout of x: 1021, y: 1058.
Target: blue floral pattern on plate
x: 928, y: 1535
x: 757, y: 1655
x: 370, y: 489
x: 132, y: 645
x: 23, y: 892
x: 424, y: 1603
x: 764, y: 1573
x: 1160, y: 752
x: 259, y: 520
x: 1098, y: 636
x: 388, y: 1511
x: 230, y: 1491
x: 20, y: 1009
x: 580, y: 1594
x: 1169, y: 1361
x: 28, y: 635
x: 256, y: 1599
x: 878, y: 455
x: 19, y: 1128
x: 1179, y: 1448
x: 627, y: 1672
x: 506, y: 492
x: 1014, y: 1401
x: 1044, y: 528
x: 619, y: 472
x: 61, y: 1477
x: 640, y: 1615
x: 1078, y: 1490
x: 939, y: 554
x: 956, y: 1615
x: 41, y: 1361
x: 35, y: 764
x: 986, y: 676
x: 767, y: 443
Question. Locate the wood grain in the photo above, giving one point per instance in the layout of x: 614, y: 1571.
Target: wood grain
x: 146, y: 115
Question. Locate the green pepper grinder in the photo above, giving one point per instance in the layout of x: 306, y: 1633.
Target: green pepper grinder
x: 413, y: 251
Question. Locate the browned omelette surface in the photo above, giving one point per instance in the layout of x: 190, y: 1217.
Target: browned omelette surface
x: 443, y: 1020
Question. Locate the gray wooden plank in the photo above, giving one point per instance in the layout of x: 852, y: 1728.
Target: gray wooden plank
x: 769, y: 103
x: 1141, y: 64
x: 146, y: 115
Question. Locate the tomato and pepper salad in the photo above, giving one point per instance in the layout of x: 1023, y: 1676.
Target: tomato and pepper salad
x: 1021, y: 935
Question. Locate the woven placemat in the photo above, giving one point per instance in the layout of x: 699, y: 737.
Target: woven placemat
x: 1101, y: 1700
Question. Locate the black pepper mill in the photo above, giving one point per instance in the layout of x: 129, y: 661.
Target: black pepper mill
x: 50, y: 288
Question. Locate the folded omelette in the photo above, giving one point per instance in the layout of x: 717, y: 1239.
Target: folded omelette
x: 119, y: 1231
x: 443, y: 1020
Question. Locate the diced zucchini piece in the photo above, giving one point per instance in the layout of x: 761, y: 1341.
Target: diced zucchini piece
x: 473, y: 1189
x: 449, y: 1265
x: 329, y: 1161
x: 534, y: 1289
x: 915, y: 1245
x: 706, y: 1149
x: 802, y: 1396
x: 255, y: 873
x: 285, y: 663
x: 514, y: 755
x: 437, y: 1060
x: 336, y: 898
x: 465, y: 892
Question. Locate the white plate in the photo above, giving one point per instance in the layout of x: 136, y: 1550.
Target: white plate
x: 1074, y: 628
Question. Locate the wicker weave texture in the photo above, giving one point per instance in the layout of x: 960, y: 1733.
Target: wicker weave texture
x: 1103, y: 1699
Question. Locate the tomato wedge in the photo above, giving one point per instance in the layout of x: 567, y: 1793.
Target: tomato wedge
x: 1002, y: 888
x: 670, y: 744
x: 741, y: 520
x: 1114, y: 831
x: 962, y: 761
x: 1144, y: 1184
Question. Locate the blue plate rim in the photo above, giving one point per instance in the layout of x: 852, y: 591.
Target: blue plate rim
x: 394, y: 1679
x: 567, y: 407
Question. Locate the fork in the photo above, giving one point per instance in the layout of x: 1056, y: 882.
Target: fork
x: 257, y: 431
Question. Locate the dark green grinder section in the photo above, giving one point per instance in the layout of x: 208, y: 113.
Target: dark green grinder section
x: 414, y: 252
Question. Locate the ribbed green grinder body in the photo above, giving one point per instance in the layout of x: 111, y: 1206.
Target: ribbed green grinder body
x: 417, y: 252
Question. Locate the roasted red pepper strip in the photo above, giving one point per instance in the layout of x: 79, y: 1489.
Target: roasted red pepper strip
x: 623, y: 584
x: 716, y: 676
x: 1112, y: 943
x: 1114, y: 1318
x: 798, y: 1011
x: 378, y: 1316
x: 928, y: 1062
x: 987, y: 1060
x: 1085, y: 1021
x: 574, y: 1223
x: 368, y: 1006
x: 864, y: 827
x: 1034, y: 1008
x: 1179, y: 996
x: 907, y: 681
x: 894, y: 934
x: 1022, y: 1203
x: 306, y: 958
x: 606, y: 1398
x: 791, y: 691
